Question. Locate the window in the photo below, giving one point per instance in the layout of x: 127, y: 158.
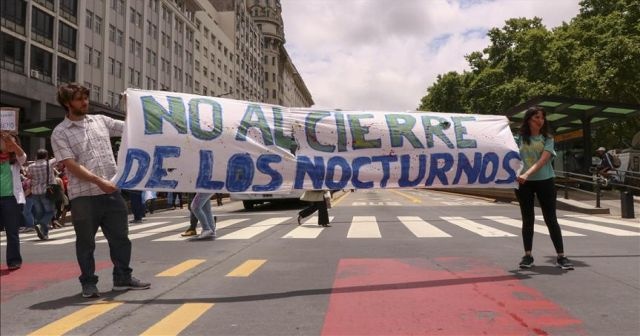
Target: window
x: 139, y: 21
x: 12, y: 53
x: 98, y: 56
x: 273, y: 94
x: 119, y: 38
x: 132, y: 45
x: 112, y: 66
x: 112, y: 33
x: 138, y: 49
x: 68, y: 9
x: 132, y: 75
x: 98, y: 25
x: 89, y: 20
x: 66, y: 70
x: 121, y: 7
x: 88, y: 54
x: 14, y: 14
x: 42, y: 26
x: 132, y: 15
x: 41, y: 61
x: 95, y: 93
x: 111, y: 98
x: 118, y: 69
x: 266, y: 76
x: 67, y: 39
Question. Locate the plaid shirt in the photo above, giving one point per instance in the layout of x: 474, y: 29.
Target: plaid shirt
x: 87, y: 142
x: 38, y: 173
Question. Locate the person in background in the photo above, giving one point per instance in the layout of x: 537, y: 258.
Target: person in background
x: 537, y: 178
x: 605, y: 168
x: 27, y: 209
x: 12, y: 157
x: 41, y: 174
x: 201, y: 208
x: 82, y: 143
x: 137, y: 205
x: 318, y: 203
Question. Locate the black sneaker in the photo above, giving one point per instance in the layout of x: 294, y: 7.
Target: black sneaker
x: 90, y: 291
x: 526, y: 262
x: 132, y: 283
x: 564, y: 263
x: 39, y: 232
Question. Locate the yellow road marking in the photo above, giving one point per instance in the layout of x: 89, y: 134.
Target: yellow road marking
x: 246, y: 268
x: 411, y: 198
x: 179, y: 319
x: 74, y: 320
x: 340, y: 199
x: 181, y: 268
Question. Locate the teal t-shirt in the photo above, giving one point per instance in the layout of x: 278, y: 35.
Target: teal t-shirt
x: 531, y: 153
x: 6, y: 179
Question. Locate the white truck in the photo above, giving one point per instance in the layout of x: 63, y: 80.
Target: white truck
x: 249, y: 200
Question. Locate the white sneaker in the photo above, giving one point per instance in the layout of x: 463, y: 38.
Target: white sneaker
x: 204, y: 235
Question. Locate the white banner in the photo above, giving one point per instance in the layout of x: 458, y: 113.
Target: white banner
x: 190, y: 143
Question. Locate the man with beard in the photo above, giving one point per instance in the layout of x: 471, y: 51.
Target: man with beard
x: 82, y: 143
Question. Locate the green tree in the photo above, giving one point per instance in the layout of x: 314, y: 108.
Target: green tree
x: 594, y: 56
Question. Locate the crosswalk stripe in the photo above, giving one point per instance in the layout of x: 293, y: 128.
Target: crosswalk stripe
x: 364, y: 227
x: 153, y: 231
x: 179, y: 319
x: 420, y: 228
x: 220, y: 225
x: 73, y: 320
x: 254, y: 229
x: 53, y: 241
x: 180, y: 268
x: 537, y: 227
x: 594, y: 227
x: 483, y: 230
x: 247, y: 268
x: 635, y: 224
x: 309, y: 229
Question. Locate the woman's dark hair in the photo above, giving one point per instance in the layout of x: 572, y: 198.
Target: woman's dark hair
x: 42, y: 154
x: 525, y: 130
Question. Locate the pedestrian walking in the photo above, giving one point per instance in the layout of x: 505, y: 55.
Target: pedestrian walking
x: 318, y: 203
x: 82, y: 143
x: 201, y: 208
x: 537, y: 178
x: 12, y: 157
x: 41, y: 174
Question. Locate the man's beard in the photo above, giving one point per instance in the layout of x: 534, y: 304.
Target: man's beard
x: 78, y: 112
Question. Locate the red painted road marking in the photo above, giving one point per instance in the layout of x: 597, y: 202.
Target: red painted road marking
x: 444, y: 296
x: 35, y: 276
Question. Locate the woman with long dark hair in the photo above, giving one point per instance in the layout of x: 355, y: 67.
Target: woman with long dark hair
x: 12, y: 157
x: 538, y: 178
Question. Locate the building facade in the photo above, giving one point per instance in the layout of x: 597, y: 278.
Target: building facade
x: 208, y: 47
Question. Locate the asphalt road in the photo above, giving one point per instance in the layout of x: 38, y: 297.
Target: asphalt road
x: 400, y: 262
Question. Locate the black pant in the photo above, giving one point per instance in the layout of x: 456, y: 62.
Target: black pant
x: 137, y: 206
x: 321, y: 207
x: 109, y: 212
x: 546, y: 193
x: 10, y: 218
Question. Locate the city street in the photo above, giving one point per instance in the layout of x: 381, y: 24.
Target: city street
x: 393, y: 262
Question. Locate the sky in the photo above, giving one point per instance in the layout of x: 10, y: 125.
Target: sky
x: 384, y: 54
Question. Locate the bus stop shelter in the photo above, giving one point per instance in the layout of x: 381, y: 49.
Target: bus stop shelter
x: 574, y: 117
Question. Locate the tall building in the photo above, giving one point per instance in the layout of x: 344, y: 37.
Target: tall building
x: 209, y: 47
x: 283, y: 84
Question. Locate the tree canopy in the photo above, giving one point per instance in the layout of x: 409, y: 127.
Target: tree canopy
x: 594, y: 56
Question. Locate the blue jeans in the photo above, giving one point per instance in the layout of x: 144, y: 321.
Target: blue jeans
x: 42, y: 211
x: 109, y: 212
x: 201, y: 208
x: 27, y: 212
x: 10, y: 218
